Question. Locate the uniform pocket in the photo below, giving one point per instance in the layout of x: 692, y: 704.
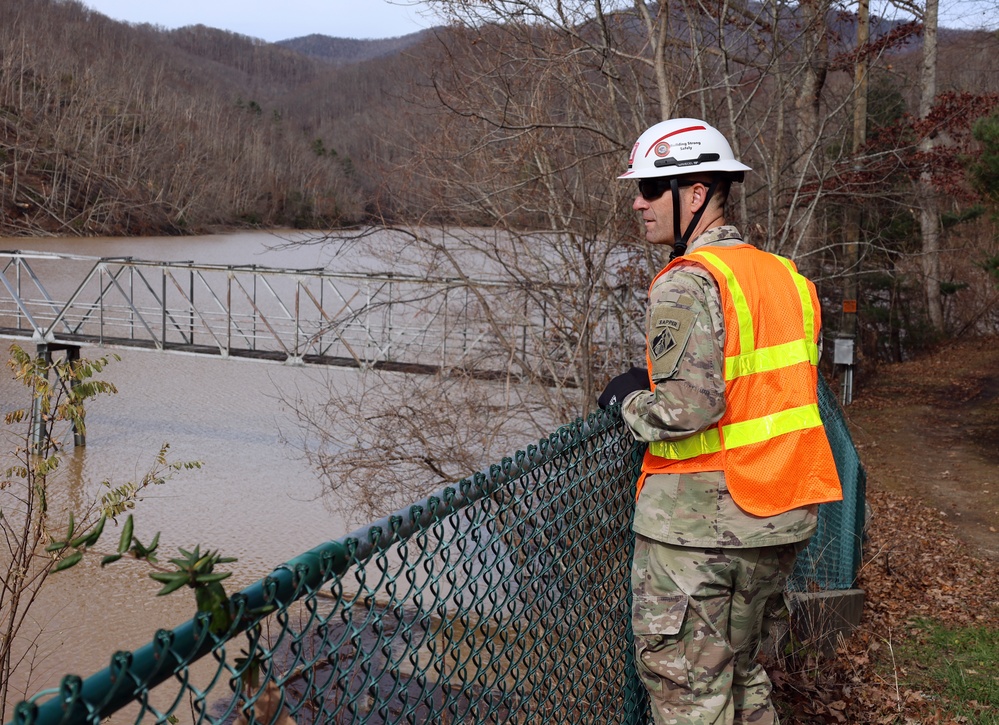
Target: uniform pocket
x: 660, y: 650
x: 658, y: 615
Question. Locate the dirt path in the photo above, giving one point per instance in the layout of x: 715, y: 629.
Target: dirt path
x: 929, y: 429
x: 928, y: 435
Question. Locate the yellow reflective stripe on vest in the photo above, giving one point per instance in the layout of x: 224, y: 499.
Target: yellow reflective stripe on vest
x: 771, y: 358
x: 747, y: 339
x: 750, y: 360
x: 806, y: 304
x: 740, y: 434
x: 696, y: 445
x: 770, y: 426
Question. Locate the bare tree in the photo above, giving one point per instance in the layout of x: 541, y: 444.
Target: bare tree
x: 380, y: 441
x: 525, y: 120
x: 168, y: 146
x: 929, y: 209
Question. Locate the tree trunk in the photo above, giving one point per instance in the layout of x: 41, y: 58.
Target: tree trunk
x: 815, y: 66
x: 929, y: 214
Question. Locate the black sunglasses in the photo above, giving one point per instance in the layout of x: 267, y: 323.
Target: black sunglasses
x: 652, y: 189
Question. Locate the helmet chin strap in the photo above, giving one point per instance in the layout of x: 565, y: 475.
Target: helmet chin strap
x: 680, y: 240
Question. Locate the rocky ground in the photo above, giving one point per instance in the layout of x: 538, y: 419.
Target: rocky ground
x: 928, y: 435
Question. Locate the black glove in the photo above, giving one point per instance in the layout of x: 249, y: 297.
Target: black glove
x: 618, y: 388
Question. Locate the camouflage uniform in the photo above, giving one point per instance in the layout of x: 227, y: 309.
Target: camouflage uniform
x: 707, y: 576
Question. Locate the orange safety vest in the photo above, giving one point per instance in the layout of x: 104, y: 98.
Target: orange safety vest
x: 770, y: 441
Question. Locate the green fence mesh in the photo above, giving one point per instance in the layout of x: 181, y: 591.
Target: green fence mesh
x: 832, y: 557
x: 502, y: 599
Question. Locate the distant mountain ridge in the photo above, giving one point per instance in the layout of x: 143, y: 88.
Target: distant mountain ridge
x: 344, y: 51
x: 114, y: 128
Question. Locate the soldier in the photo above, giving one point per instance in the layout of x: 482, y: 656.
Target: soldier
x: 738, y: 459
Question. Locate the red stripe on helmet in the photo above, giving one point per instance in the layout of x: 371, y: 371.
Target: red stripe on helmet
x: 672, y: 133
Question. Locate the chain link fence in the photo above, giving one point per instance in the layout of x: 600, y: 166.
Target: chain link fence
x: 503, y: 599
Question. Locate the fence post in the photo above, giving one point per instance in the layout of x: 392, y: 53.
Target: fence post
x: 37, y: 424
x: 44, y: 353
x: 73, y: 358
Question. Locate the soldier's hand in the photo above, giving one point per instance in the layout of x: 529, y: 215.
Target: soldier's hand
x: 619, y: 387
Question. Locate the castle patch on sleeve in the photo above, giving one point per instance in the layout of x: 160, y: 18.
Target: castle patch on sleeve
x: 670, y: 331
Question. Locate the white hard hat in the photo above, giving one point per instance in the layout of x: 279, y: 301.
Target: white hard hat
x: 682, y: 146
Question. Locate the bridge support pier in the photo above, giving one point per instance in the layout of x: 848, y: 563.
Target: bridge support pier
x: 44, y: 351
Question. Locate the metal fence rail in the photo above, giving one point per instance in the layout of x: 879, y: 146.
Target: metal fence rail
x: 502, y: 599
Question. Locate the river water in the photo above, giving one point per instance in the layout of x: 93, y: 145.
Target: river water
x: 255, y: 498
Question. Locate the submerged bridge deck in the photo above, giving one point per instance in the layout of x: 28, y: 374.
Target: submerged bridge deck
x: 295, y: 316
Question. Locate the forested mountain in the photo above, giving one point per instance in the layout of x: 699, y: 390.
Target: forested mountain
x: 111, y: 128
x: 342, y: 51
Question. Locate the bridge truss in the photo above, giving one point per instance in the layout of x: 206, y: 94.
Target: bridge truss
x: 296, y: 316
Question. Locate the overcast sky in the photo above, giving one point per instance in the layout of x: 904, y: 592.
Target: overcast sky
x: 283, y: 19
x: 276, y: 19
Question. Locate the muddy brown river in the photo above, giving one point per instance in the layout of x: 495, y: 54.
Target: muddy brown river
x: 254, y: 498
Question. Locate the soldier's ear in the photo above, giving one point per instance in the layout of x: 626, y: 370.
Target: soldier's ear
x: 698, y: 194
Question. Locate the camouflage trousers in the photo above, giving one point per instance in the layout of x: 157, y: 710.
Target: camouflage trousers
x: 698, y: 617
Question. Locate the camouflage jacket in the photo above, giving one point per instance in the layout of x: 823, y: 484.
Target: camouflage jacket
x: 688, y: 369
